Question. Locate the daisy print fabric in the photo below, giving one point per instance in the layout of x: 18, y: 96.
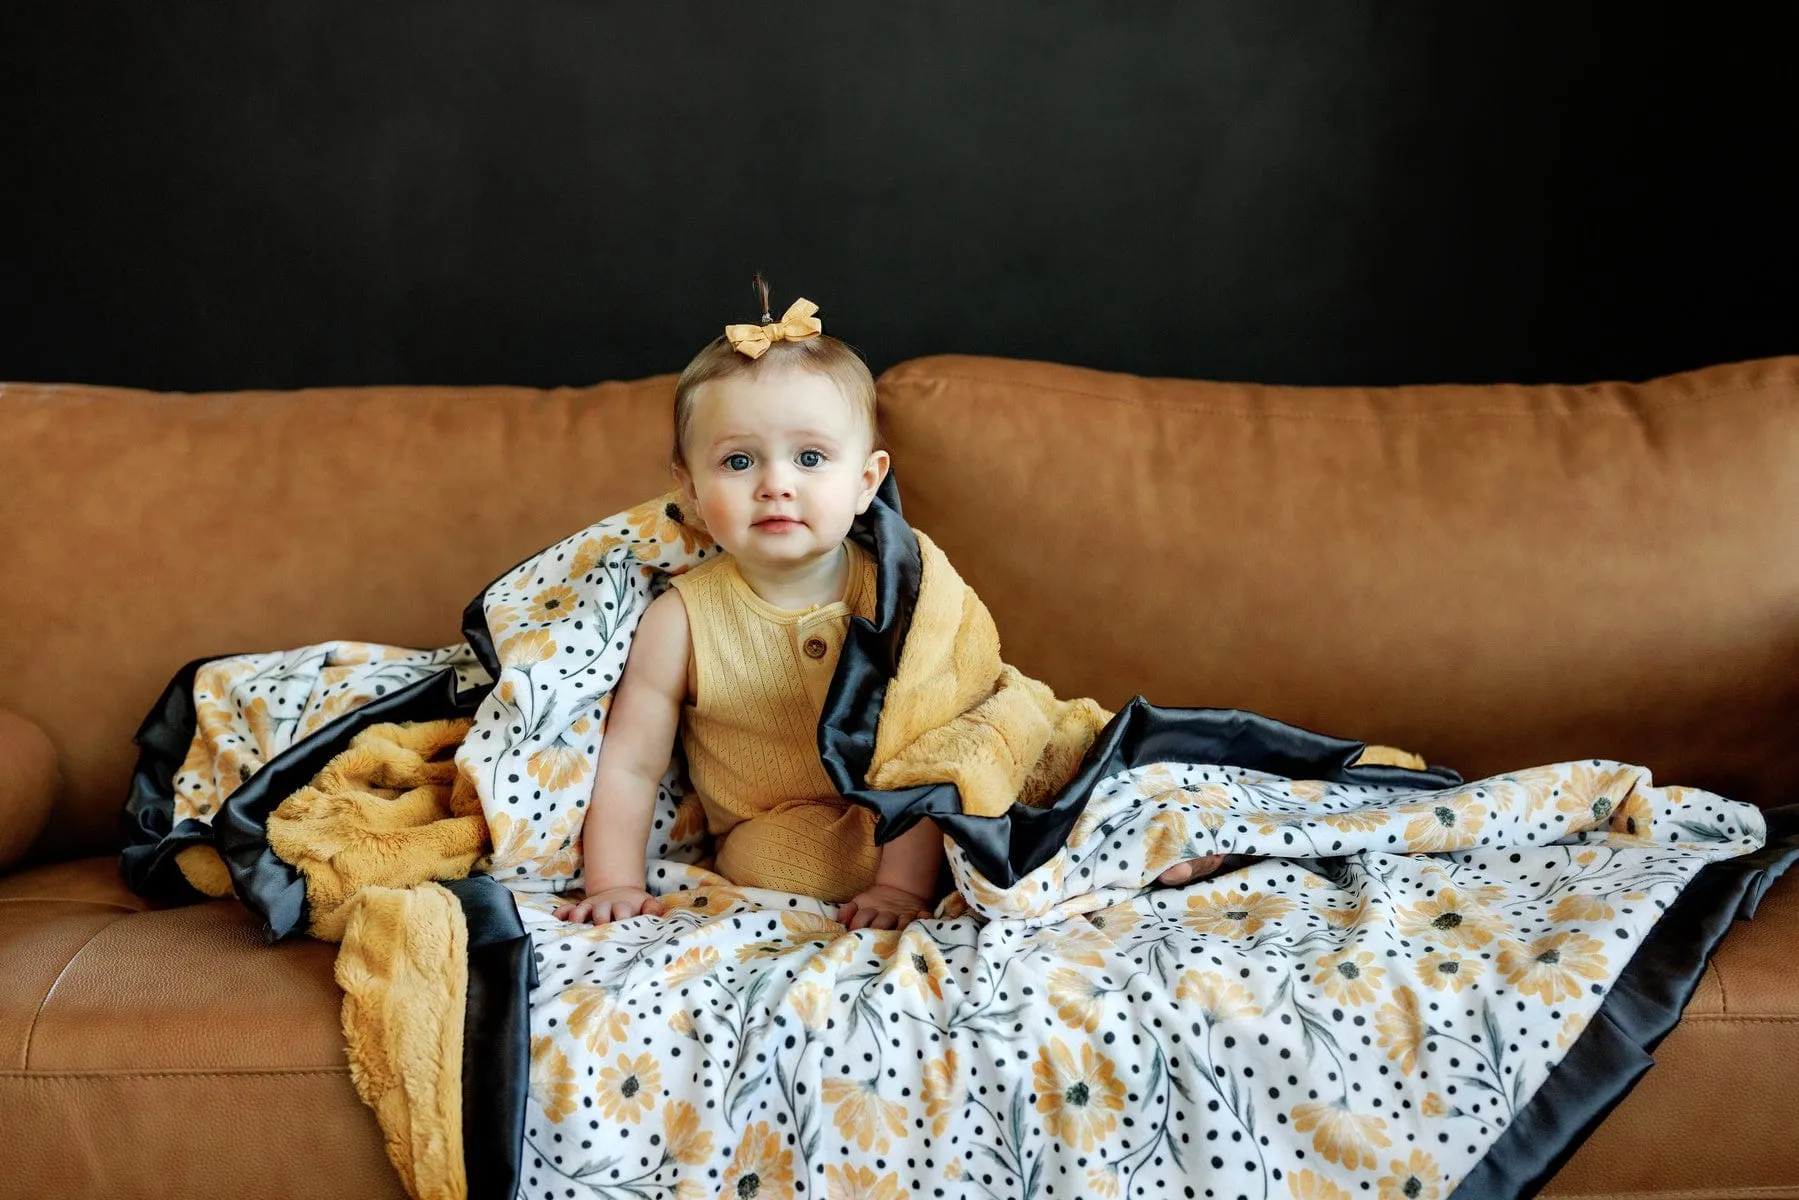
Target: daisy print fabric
x: 1362, y: 1008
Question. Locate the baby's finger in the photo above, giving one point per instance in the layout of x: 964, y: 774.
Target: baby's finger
x: 886, y: 920
x: 846, y: 915
x: 653, y: 906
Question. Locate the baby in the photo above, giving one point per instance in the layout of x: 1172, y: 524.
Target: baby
x: 777, y: 450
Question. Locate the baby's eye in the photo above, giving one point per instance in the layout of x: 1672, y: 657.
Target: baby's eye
x: 737, y: 462
x: 811, y: 458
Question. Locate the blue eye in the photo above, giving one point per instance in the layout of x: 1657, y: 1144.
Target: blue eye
x: 737, y: 462
x: 811, y: 458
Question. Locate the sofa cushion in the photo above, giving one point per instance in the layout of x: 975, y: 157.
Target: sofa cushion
x: 1496, y: 577
x: 28, y: 784
x: 153, y: 529
x: 170, y: 1052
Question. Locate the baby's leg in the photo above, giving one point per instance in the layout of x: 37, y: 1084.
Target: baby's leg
x: 1193, y: 868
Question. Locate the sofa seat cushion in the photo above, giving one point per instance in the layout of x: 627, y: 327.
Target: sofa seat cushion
x: 146, y: 1028
x: 148, y: 1051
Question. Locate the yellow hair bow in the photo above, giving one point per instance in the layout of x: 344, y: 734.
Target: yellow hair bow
x: 796, y: 323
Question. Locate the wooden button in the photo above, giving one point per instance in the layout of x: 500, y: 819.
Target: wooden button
x: 815, y: 647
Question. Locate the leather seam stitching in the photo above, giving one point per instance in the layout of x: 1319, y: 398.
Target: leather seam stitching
x: 31, y: 1029
x: 70, y: 900
x: 1379, y: 419
x: 172, y: 1074
x: 1735, y: 1019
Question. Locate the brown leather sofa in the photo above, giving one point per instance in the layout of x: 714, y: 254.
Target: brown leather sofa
x: 1494, y: 576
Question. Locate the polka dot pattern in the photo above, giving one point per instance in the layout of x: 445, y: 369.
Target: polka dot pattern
x: 1360, y: 1008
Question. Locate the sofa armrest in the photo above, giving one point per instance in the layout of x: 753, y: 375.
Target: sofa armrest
x: 29, y: 781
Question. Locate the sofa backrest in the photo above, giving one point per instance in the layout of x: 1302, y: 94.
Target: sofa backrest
x: 1493, y: 576
x: 141, y: 530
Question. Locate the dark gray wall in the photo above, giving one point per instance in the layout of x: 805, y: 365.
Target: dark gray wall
x: 222, y: 195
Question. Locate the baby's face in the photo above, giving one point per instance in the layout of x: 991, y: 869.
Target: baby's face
x: 778, y: 465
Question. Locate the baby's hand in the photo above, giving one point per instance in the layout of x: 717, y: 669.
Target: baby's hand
x: 1193, y: 868
x: 611, y: 904
x: 883, y: 907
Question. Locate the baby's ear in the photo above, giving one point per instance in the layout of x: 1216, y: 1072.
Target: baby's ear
x: 874, y: 473
x: 684, y: 482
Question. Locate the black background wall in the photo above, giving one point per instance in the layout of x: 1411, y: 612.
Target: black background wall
x: 221, y: 195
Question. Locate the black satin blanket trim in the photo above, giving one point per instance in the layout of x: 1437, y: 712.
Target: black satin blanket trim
x: 271, y: 888
x: 147, y: 822
x: 496, y: 1037
x: 1010, y: 846
x: 1616, y: 1047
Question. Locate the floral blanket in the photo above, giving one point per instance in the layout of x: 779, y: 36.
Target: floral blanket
x: 1361, y: 1003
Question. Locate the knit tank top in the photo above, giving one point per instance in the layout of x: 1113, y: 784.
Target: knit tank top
x: 758, y: 678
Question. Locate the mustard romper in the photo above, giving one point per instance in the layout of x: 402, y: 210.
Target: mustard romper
x: 757, y: 681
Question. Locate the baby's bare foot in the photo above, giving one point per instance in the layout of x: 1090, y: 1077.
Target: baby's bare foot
x: 1193, y: 868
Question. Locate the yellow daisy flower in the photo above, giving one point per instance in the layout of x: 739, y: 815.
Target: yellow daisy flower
x: 1340, y: 1135
x: 1578, y: 906
x: 552, y: 603
x: 1449, y: 919
x: 1165, y: 840
x: 628, y: 1087
x: 1356, y: 820
x: 1117, y: 920
x: 812, y: 1002
x: 918, y: 965
x: 527, y: 649
x: 552, y: 1080
x: 1078, y: 1101
x: 595, y: 1017
x: 1554, y: 966
x: 690, y: 820
x: 557, y: 766
x: 1447, y: 970
x: 1399, y: 1028
x: 1220, y: 999
x: 1591, y: 795
x: 1416, y: 1178
x: 1073, y: 942
x: 1078, y: 1000
x: 1104, y: 1182
x: 1633, y: 817
x: 663, y: 521
x: 1234, y: 914
x: 1433, y: 1105
x: 1308, y: 1185
x: 862, y: 1116
x: 805, y: 925
x: 760, y: 1169
x: 1449, y: 824
x: 860, y: 1183
x: 944, y: 1092
x: 710, y: 901
x: 590, y: 553
x: 1345, y: 918
x: 702, y: 960
x: 683, y: 1139
x: 1349, y: 976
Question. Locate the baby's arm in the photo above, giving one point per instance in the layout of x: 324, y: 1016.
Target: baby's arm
x: 904, y: 881
x: 640, y: 736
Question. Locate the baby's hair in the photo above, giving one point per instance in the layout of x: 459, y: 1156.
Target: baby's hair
x: 820, y: 355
